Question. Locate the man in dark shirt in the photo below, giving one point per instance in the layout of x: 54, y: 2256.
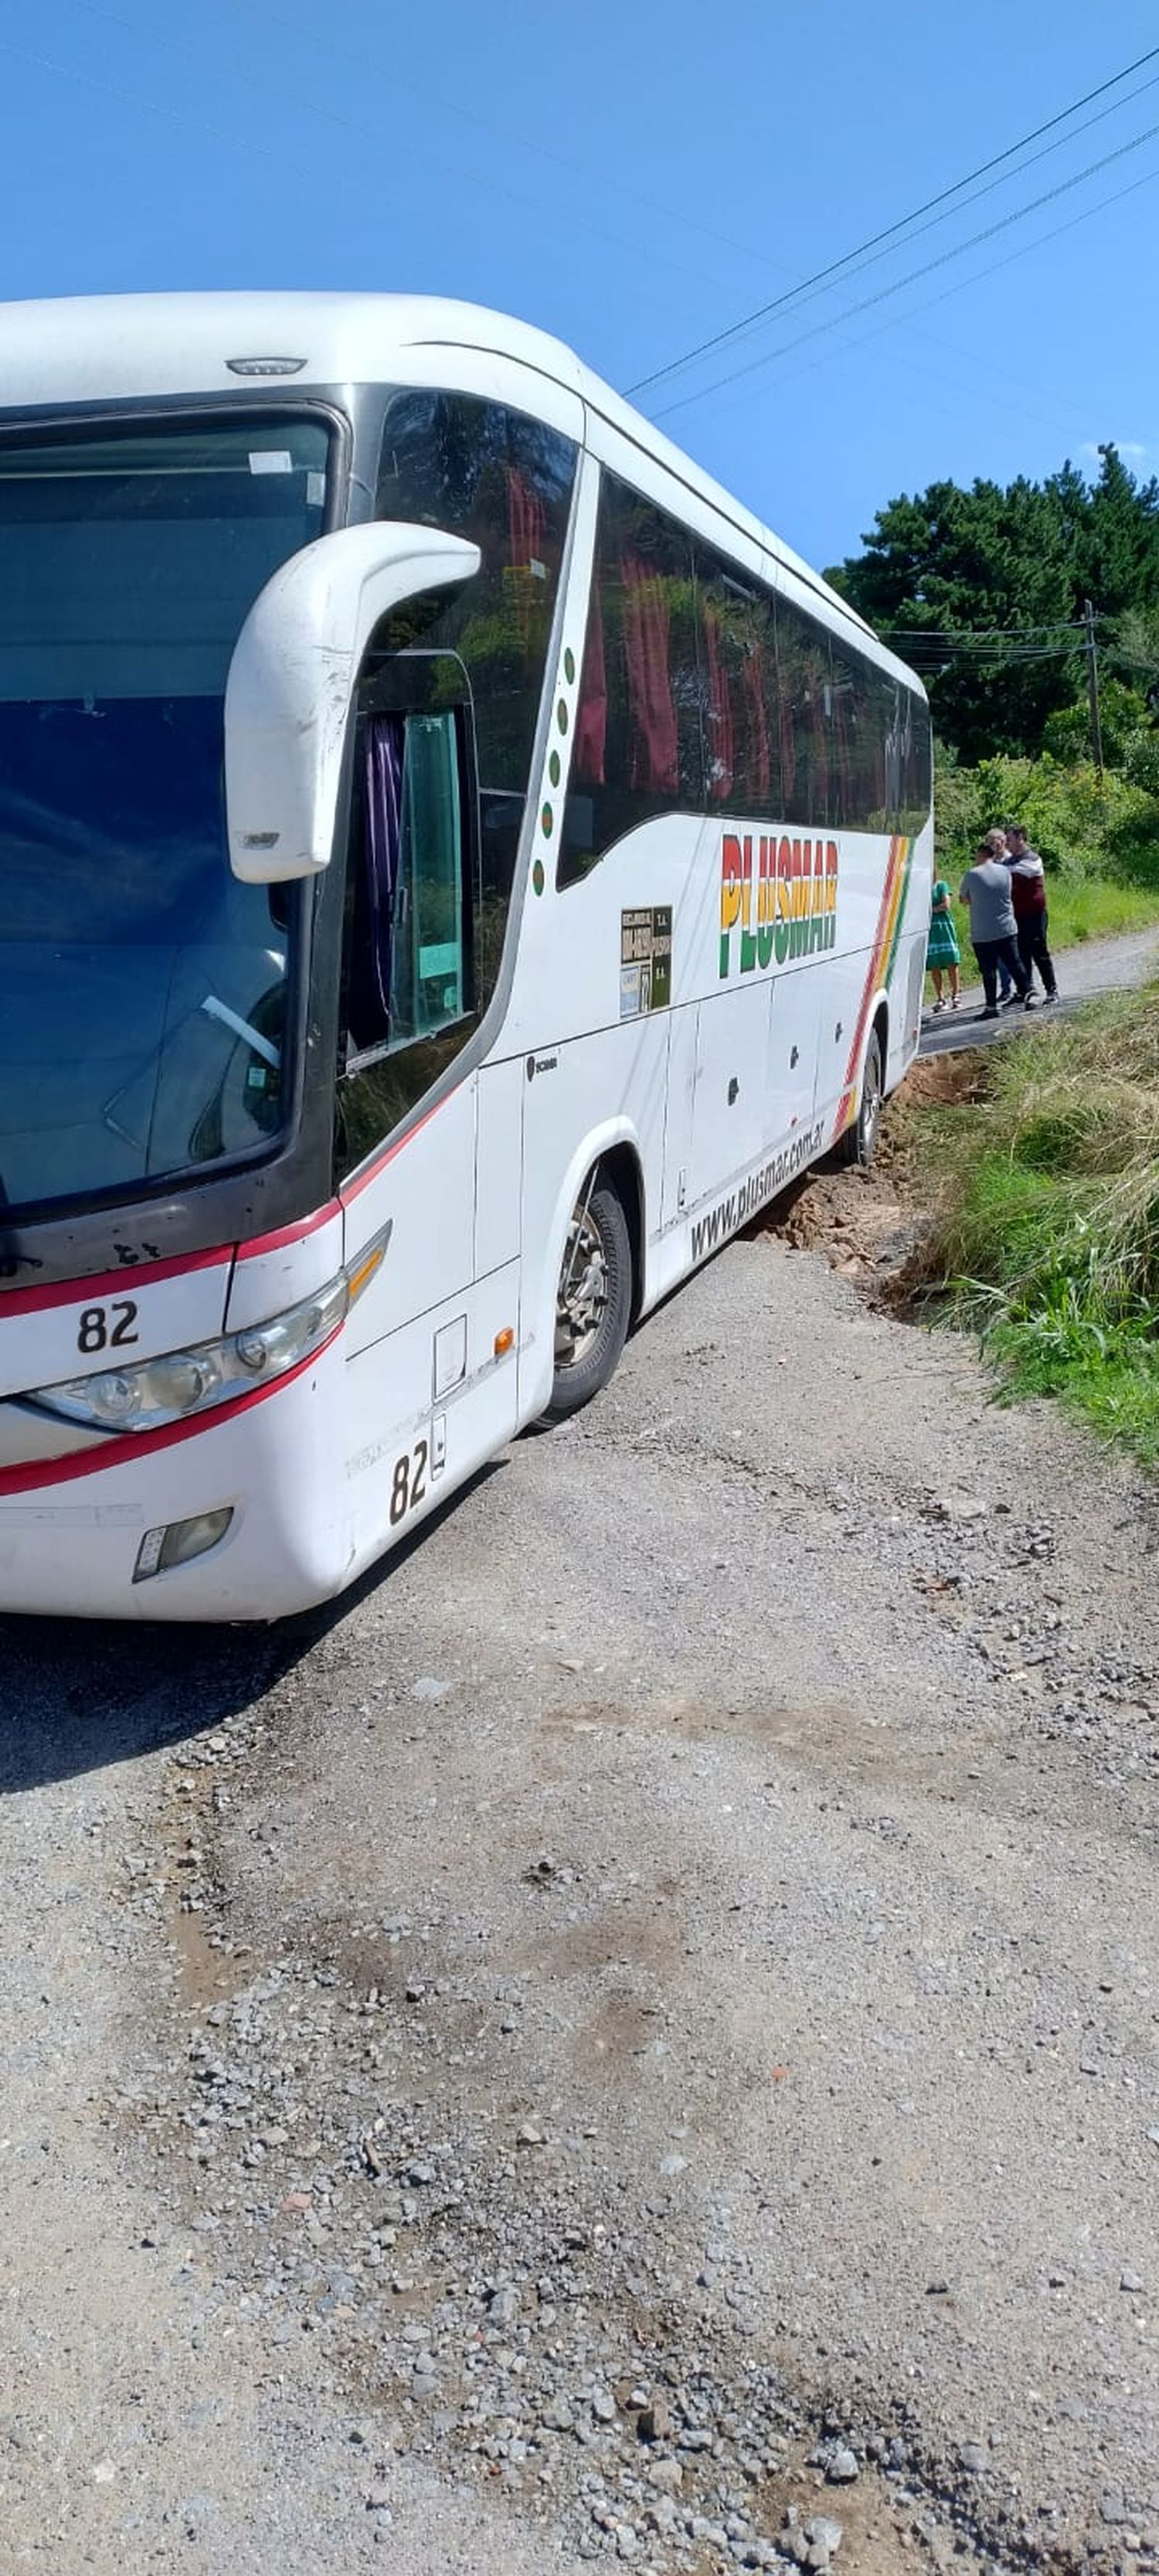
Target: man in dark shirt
x: 1028, y: 894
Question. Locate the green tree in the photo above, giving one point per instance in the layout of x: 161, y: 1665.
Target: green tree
x: 1123, y: 715
x: 982, y: 589
x: 1130, y: 644
x: 1117, y: 552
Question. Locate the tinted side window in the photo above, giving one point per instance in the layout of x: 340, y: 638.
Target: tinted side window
x: 888, y: 715
x: 638, y: 746
x: 916, y: 763
x: 408, y: 992
x: 857, y: 784
x: 504, y: 480
x: 805, y: 699
x: 703, y: 692
x: 738, y: 645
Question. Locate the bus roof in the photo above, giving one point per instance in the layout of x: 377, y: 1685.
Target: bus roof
x: 121, y: 348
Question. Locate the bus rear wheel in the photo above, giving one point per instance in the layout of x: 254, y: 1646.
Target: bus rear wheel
x: 593, y: 1301
x: 859, y: 1142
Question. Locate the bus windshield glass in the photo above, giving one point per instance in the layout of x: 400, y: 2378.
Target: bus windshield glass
x: 143, y: 991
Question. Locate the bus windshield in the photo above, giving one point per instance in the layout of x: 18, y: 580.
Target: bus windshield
x: 143, y: 991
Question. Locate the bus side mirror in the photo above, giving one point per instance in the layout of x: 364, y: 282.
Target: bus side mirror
x: 291, y: 683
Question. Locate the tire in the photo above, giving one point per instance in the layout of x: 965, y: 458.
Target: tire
x: 859, y: 1143
x: 593, y: 1299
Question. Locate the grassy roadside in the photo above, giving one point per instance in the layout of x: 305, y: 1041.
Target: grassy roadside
x: 1083, y: 908
x: 1047, y: 1238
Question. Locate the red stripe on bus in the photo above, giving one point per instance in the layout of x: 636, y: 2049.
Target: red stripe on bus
x: 38, y: 1473
x: 289, y: 1234
x: 108, y: 1283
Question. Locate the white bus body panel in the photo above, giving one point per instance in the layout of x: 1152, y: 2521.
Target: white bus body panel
x: 73, y: 1546
x: 274, y: 1274
x: 428, y: 1395
x: 713, y: 1100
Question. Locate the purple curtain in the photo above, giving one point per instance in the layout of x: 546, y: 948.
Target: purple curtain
x: 374, y: 913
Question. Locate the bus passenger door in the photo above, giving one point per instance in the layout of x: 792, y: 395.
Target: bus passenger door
x: 430, y: 1342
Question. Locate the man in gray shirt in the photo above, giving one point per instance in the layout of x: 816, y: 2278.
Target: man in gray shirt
x: 993, y: 930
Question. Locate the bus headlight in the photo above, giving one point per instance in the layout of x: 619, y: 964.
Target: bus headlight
x: 186, y: 1382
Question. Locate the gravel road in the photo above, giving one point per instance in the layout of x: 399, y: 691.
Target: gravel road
x: 635, y: 2039
x: 1097, y: 966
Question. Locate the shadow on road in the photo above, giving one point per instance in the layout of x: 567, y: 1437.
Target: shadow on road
x: 78, y: 1694
x: 946, y: 1035
x: 75, y: 1696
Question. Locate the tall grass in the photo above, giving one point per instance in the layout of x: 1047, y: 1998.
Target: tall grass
x: 1092, y: 907
x: 1048, y: 1236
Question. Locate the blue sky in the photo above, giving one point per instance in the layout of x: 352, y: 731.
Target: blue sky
x: 636, y: 176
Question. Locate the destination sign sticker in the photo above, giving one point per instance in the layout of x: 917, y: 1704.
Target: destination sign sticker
x: 645, y: 960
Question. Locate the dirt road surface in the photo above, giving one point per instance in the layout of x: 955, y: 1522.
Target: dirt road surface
x: 1096, y: 966
x: 635, y: 2040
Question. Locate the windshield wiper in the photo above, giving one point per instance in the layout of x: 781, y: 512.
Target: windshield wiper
x: 218, y: 1010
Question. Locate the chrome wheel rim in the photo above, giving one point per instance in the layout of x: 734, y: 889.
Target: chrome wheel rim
x: 582, y: 1299
x: 871, y: 1106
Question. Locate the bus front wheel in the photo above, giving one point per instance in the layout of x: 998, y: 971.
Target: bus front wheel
x: 593, y: 1300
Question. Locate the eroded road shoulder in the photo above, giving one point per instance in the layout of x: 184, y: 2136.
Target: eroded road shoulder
x: 649, y: 2017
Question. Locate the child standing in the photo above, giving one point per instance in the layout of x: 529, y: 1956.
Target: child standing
x: 942, y: 951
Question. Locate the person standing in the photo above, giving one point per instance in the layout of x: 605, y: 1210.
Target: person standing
x: 986, y: 888
x: 943, y: 955
x: 1028, y: 892
x: 1008, y: 992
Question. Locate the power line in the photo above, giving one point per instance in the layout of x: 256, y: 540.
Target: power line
x: 848, y: 348
x: 937, y: 660
x: 928, y: 654
x: 855, y: 264
x: 962, y: 649
x: 720, y: 339
x: 956, y: 251
x: 956, y: 634
x: 983, y: 639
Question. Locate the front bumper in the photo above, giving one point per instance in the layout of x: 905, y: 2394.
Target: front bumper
x: 68, y: 1549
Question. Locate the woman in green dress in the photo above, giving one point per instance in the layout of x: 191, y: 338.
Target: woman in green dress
x: 942, y: 952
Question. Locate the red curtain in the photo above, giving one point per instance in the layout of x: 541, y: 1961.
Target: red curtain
x: 820, y: 730
x: 719, y: 744
x: 842, y: 751
x: 788, y: 741
x: 654, y: 760
x: 754, y: 679
x: 591, y: 732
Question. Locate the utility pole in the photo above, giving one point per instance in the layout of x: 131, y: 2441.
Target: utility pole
x: 1093, y: 688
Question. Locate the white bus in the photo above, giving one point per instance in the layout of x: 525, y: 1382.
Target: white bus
x: 456, y: 866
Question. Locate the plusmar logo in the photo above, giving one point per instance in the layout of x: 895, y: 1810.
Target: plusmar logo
x: 786, y: 907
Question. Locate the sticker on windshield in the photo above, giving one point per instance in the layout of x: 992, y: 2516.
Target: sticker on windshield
x: 271, y: 460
